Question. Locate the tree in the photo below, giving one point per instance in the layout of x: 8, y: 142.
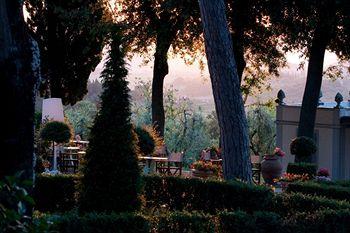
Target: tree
x: 111, y: 178
x: 254, y: 40
x: 226, y: 90
x: 165, y: 24
x: 19, y: 61
x: 314, y: 26
x: 71, y: 38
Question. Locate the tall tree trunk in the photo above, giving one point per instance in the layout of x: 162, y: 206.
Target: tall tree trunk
x: 226, y: 90
x: 313, y: 85
x: 160, y: 70
x: 17, y: 92
x: 238, y: 51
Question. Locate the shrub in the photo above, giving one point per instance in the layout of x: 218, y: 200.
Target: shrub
x: 112, y: 179
x: 288, y: 204
x: 320, y: 189
x: 55, y: 193
x: 204, y: 195
x: 302, y: 168
x: 56, y: 131
x: 148, y: 139
x: 182, y: 222
x: 100, y: 223
x: 241, y: 222
x: 14, y: 204
x: 325, y: 221
x: 303, y: 147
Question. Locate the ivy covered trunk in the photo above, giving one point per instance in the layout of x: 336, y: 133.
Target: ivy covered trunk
x: 226, y: 90
x: 17, y: 91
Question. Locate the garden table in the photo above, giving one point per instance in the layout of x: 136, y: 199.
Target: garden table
x: 149, y: 161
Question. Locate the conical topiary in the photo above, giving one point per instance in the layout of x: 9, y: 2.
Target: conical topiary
x: 111, y: 178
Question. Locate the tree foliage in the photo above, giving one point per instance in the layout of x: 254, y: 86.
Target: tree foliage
x: 56, y: 131
x: 70, y: 35
x: 81, y: 116
x: 111, y: 178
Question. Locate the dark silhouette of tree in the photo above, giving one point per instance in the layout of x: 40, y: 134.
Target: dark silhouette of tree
x: 254, y: 38
x: 71, y: 38
x: 166, y: 24
x: 226, y: 90
x: 176, y: 24
x: 314, y: 26
x: 111, y: 178
x: 19, y: 73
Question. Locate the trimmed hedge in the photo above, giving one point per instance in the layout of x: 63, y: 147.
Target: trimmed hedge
x: 302, y: 168
x: 59, y: 193
x: 287, y: 204
x: 55, y: 193
x: 320, y: 189
x: 325, y: 221
x: 204, y: 195
x: 100, y: 223
x: 241, y: 222
x: 180, y: 222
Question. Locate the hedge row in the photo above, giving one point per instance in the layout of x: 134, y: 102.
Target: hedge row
x: 204, y: 195
x: 56, y: 193
x: 325, y: 221
x: 288, y: 204
x: 321, y: 189
x: 59, y: 194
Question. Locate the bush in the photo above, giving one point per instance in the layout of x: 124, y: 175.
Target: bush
x: 302, y: 168
x: 289, y: 204
x: 181, y: 222
x: 111, y: 181
x: 325, y: 221
x: 241, y: 222
x: 100, y: 223
x: 148, y: 140
x: 303, y: 147
x: 56, y: 131
x: 14, y: 204
x: 320, y: 189
x: 204, y: 195
x: 56, y: 193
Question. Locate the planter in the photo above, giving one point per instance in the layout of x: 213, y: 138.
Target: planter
x: 202, y: 174
x: 271, y: 168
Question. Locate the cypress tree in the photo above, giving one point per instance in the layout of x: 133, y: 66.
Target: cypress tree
x: 111, y: 180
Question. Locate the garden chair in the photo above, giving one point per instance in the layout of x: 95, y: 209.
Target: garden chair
x: 161, y: 151
x: 256, y: 168
x: 173, y: 166
x: 205, y: 155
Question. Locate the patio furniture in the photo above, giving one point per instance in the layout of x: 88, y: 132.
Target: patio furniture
x: 172, y: 166
x: 69, y: 159
x: 256, y: 168
x: 161, y: 151
x: 149, y: 161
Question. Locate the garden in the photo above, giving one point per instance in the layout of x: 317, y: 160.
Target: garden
x: 88, y: 156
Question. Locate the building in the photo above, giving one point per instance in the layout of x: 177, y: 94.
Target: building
x: 332, y: 134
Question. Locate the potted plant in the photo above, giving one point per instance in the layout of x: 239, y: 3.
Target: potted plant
x: 55, y: 132
x: 204, y: 169
x: 323, y: 175
x: 303, y: 147
x: 271, y: 167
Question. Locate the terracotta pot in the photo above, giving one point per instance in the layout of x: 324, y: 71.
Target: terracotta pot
x: 202, y: 174
x: 271, y: 168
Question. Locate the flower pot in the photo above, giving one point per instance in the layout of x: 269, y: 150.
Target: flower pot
x: 271, y: 168
x: 202, y: 174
